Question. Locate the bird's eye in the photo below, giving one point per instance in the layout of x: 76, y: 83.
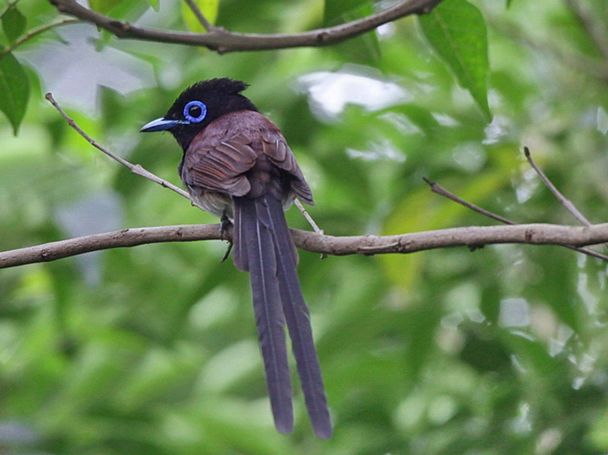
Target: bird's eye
x: 195, y: 111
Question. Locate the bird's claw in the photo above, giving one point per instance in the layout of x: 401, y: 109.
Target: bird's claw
x: 227, y: 253
x: 225, y: 224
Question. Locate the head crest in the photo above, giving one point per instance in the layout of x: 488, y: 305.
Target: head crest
x: 222, y: 84
x: 218, y: 87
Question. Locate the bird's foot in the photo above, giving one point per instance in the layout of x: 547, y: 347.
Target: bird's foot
x: 227, y: 253
x: 225, y: 224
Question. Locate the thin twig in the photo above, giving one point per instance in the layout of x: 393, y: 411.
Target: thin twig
x: 36, y: 31
x: 440, y: 190
x: 135, y: 168
x: 563, y: 200
x: 200, y: 16
x: 311, y: 221
x: 222, y: 40
x: 315, y: 227
x: 469, y: 236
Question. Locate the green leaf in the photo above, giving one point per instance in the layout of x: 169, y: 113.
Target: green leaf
x: 13, y: 23
x: 336, y: 10
x: 457, y: 31
x: 14, y: 90
x: 130, y: 11
x: 364, y: 49
x: 154, y: 4
x: 209, y: 8
x: 103, y: 6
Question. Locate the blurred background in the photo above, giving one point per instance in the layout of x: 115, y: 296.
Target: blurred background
x: 152, y: 350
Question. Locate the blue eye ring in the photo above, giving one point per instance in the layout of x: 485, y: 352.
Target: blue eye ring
x: 191, y: 114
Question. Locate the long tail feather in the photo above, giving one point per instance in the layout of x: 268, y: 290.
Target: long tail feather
x: 255, y: 251
x: 298, y: 319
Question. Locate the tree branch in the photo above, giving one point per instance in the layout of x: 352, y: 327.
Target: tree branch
x: 471, y: 236
x: 34, y: 32
x: 222, y: 40
x: 440, y: 190
x: 199, y: 15
x: 135, y: 168
x: 563, y: 200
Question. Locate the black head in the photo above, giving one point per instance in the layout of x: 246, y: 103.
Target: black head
x: 199, y: 105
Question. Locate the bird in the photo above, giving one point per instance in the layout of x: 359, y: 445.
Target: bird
x: 236, y: 164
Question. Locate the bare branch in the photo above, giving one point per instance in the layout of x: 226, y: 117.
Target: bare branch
x: 34, y: 32
x: 472, y: 236
x: 222, y: 40
x: 123, y: 238
x: 440, y: 190
x: 199, y: 15
x: 563, y: 200
x: 315, y: 227
x: 135, y: 168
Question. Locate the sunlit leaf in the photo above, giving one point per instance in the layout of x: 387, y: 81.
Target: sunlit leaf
x: 13, y: 23
x: 209, y: 8
x: 14, y: 90
x: 457, y: 31
x: 599, y: 432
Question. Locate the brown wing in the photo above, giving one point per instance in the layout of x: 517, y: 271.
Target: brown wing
x: 219, y: 165
x: 275, y: 147
x: 219, y: 158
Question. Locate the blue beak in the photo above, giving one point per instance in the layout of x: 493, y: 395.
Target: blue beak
x: 161, y: 124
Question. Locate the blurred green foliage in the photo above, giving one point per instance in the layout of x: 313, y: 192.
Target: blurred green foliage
x: 152, y: 350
